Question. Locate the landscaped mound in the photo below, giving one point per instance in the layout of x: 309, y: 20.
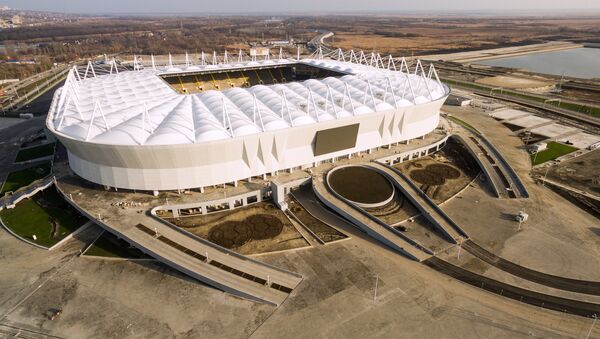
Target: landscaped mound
x: 233, y: 234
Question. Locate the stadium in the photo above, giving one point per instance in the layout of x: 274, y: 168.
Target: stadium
x: 189, y: 126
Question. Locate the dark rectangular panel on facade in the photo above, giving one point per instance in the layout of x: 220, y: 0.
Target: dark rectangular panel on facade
x: 335, y: 139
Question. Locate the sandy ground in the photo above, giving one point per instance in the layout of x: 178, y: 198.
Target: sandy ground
x: 582, y: 172
x: 515, y: 82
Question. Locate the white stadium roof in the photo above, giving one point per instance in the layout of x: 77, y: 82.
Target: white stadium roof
x: 139, y: 108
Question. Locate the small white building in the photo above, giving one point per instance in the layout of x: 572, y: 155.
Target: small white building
x: 538, y: 147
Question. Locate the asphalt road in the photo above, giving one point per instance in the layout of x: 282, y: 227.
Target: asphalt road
x: 567, y: 284
x: 523, y: 295
x: 41, y: 104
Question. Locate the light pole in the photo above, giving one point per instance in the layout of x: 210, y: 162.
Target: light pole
x: 376, y: 284
x: 544, y: 181
x: 591, y: 328
x: 535, y: 157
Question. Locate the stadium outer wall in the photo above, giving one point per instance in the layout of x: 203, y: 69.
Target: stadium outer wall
x: 189, y: 166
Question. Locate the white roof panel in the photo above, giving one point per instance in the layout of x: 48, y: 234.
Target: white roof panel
x: 139, y: 108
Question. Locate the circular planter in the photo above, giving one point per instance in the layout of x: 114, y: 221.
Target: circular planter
x: 361, y: 185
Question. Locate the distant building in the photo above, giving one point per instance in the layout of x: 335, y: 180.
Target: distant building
x: 279, y: 42
x: 16, y: 20
x: 594, y: 146
x: 455, y: 100
x: 540, y: 146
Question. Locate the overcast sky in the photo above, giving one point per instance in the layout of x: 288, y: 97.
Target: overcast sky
x: 296, y: 6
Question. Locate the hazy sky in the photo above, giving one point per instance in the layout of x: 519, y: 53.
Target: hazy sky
x: 296, y: 6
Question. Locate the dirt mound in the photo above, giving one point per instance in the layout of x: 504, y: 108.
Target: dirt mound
x: 445, y: 171
x: 232, y: 234
x: 427, y: 178
x: 434, y: 174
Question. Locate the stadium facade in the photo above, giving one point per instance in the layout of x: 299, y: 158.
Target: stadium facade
x: 193, y: 126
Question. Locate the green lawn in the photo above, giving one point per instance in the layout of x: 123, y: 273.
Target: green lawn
x: 553, y: 151
x: 35, y: 152
x: 463, y: 123
x: 108, y: 245
x: 18, y: 179
x: 36, y: 216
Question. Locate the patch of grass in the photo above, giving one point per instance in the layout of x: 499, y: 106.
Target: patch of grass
x: 22, y: 178
x: 553, y: 151
x: 45, y: 215
x: 463, y: 124
x: 108, y: 245
x: 35, y: 152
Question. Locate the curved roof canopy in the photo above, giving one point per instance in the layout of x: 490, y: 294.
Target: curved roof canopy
x: 139, y: 108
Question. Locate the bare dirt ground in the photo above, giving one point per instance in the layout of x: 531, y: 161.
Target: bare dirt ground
x: 581, y: 172
x: 254, y: 229
x: 443, y: 174
x: 515, y: 82
x: 418, y: 35
x: 124, y: 299
x: 559, y: 238
x: 325, y: 232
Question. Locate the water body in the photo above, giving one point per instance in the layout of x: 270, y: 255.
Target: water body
x: 579, y: 62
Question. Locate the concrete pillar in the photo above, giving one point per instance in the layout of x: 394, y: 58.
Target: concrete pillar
x: 244, y: 201
x: 265, y: 176
x: 201, y: 189
x: 155, y: 193
x: 278, y: 194
x: 202, y: 209
x: 407, y: 141
x: 175, y: 213
x: 235, y: 183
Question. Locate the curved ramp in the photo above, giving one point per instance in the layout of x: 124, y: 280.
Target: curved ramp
x: 216, y: 266
x: 486, y: 165
x: 567, y: 284
x: 379, y: 231
x: 546, y: 301
x: 504, y: 180
x: 440, y: 220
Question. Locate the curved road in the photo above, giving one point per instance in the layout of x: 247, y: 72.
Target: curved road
x: 530, y: 297
x: 567, y: 284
